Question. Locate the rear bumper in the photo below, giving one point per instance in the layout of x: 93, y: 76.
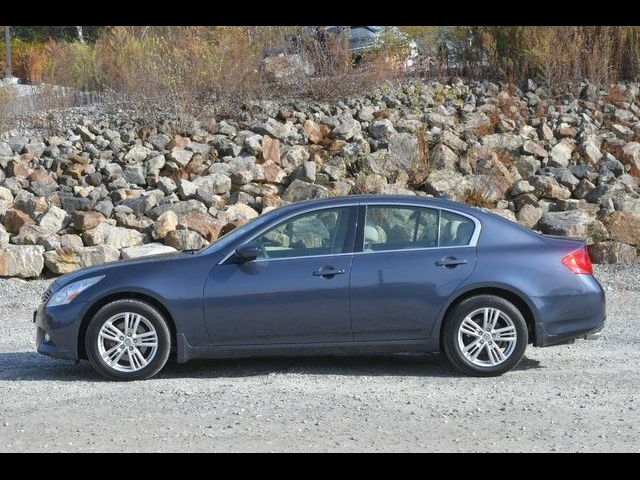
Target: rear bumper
x: 584, y: 331
x: 565, y: 318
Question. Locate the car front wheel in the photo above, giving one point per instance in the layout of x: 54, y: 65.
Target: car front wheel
x: 128, y: 340
x: 485, y: 335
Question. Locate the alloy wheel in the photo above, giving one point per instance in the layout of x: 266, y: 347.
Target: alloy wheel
x: 127, y: 342
x: 487, y: 337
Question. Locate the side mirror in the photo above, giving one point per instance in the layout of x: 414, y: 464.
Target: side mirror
x: 247, y: 252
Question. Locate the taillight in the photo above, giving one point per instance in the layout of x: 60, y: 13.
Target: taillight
x: 578, y: 261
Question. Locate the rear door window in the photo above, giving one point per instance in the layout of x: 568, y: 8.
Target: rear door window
x: 399, y: 228
x: 405, y: 227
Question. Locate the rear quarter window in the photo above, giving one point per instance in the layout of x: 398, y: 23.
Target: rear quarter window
x: 455, y: 230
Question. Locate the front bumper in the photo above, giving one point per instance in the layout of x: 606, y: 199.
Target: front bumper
x: 57, y: 329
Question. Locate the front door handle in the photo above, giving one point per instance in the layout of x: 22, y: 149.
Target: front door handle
x: 328, y: 272
x: 450, y: 262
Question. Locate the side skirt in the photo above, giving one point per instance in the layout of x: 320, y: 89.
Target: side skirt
x: 186, y: 352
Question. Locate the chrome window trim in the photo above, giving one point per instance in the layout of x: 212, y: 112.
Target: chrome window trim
x: 303, y: 256
x: 472, y: 243
x: 361, y: 253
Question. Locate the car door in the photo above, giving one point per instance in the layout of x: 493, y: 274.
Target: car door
x: 411, y: 260
x: 295, y: 291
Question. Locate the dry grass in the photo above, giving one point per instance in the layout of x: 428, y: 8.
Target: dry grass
x: 423, y: 167
x: 510, y: 105
x: 7, y: 98
x: 483, y: 191
x: 203, y: 71
x: 479, y: 195
x: 491, y: 127
x: 559, y: 56
x: 542, y: 111
x: 617, y: 97
x: 612, y: 148
x: 505, y: 157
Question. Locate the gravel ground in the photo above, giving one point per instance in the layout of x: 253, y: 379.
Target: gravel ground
x: 580, y: 397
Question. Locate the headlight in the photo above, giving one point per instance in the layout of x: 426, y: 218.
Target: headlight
x: 71, y: 291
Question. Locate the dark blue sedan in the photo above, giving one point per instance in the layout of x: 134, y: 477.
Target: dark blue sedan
x: 340, y: 275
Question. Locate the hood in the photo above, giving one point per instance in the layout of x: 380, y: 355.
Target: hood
x: 105, y: 268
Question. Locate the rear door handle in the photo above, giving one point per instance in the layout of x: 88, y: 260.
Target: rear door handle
x: 328, y: 272
x: 450, y: 262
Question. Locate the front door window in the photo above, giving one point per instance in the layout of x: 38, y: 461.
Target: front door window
x: 322, y: 232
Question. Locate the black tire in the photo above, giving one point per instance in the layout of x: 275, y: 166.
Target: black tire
x: 151, y: 314
x: 457, y: 316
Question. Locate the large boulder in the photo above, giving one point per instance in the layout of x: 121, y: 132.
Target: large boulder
x: 533, y: 148
x: 315, y: 132
x: 403, y: 152
x: 165, y: 223
x: 623, y: 227
x: 54, y: 219
x: 347, y: 129
x: 631, y: 156
x: 216, y: 183
x: 36, y: 235
x: 4, y: 237
x: 238, y: 212
x: 504, y: 213
x: 5, y: 149
x: 24, y: 261
x: 146, y: 250
x: 180, y: 156
x: 118, y: 237
x: 591, y: 151
x: 66, y: 260
x: 446, y: 183
x: 14, y: 220
x: 299, y: 190
x: 573, y: 223
x: 561, y: 153
x: 6, y: 199
x: 442, y: 157
x: 86, y: 220
x: 203, y: 223
x: 527, y: 165
x: 548, y: 187
x: 502, y: 141
x: 294, y: 157
x: 529, y: 215
x: 185, y: 240
x: 612, y: 252
x: 137, y: 153
x: 381, y: 129
x: 273, y: 128
x: 270, y: 149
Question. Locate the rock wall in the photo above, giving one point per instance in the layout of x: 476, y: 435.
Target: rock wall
x: 113, y: 186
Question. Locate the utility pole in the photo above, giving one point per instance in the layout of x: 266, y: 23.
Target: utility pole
x: 7, y: 42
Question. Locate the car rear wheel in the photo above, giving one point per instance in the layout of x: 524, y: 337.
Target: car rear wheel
x: 485, y: 335
x: 128, y: 340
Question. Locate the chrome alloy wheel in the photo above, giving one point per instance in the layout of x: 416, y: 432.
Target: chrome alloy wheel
x: 487, y: 337
x: 127, y: 342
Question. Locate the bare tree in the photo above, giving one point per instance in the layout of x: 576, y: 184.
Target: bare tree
x: 7, y: 42
x: 80, y: 35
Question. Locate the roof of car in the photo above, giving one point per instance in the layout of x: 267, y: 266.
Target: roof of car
x: 400, y: 199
